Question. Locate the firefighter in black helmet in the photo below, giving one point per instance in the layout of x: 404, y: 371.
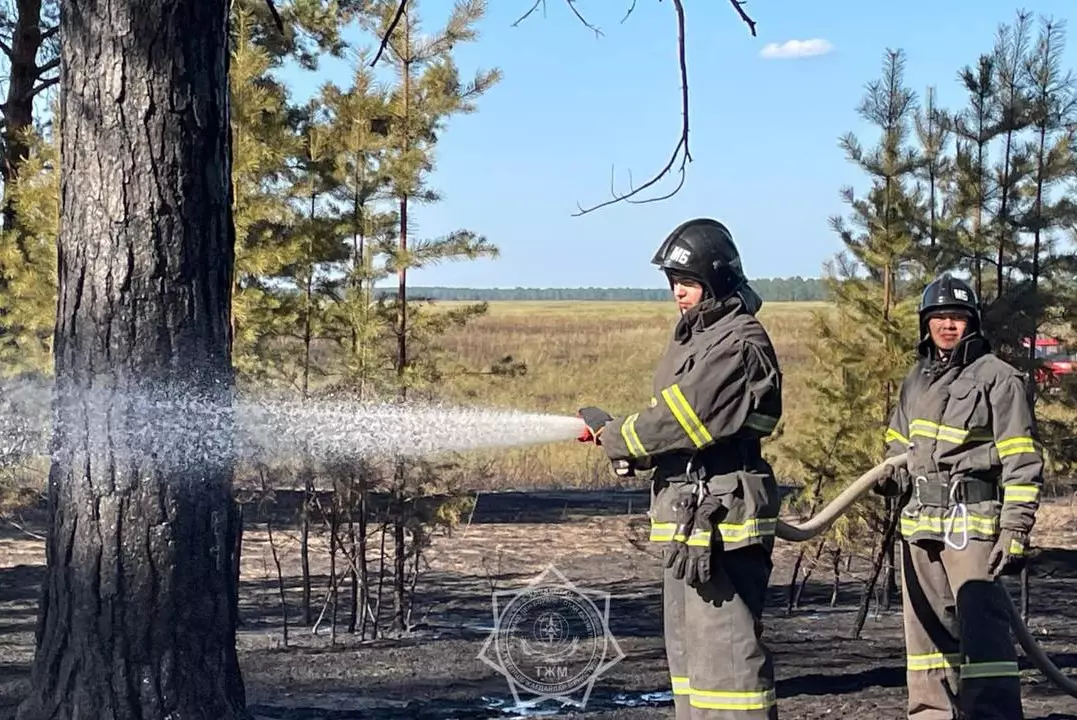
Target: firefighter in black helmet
x: 714, y: 498
x: 973, y: 479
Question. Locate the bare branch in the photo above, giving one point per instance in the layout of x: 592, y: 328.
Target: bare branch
x: 682, y: 142
x: 49, y: 66
x: 5, y: 48
x: 277, y: 20
x: 54, y: 30
x: 631, y: 8
x: 400, y: 9
x: 572, y: 5
x: 45, y: 85
x: 738, y: 5
x: 538, y: 4
x: 20, y: 528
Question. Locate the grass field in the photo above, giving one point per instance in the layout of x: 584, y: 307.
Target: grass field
x: 589, y: 353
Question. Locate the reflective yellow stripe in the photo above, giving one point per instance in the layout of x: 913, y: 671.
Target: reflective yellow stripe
x: 893, y: 435
x: 1002, y: 668
x: 631, y: 438
x: 945, y: 433
x: 687, y: 417
x: 1020, y: 493
x: 761, y: 423
x: 755, y: 528
x: 730, y: 532
x: 932, y: 661
x: 732, y: 699
x: 662, y: 531
x: 680, y: 684
x: 1016, y: 547
x: 1015, y: 446
x: 982, y: 524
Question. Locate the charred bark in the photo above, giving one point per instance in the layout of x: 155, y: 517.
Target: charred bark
x: 138, y: 609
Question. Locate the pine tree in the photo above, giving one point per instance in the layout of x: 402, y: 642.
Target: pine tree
x: 975, y: 128
x: 840, y: 440
x: 28, y: 259
x: 1012, y: 113
x: 359, y: 118
x: 935, y: 174
x: 427, y: 93
x: 28, y: 306
x: 1046, y: 300
x: 265, y: 141
x: 881, y: 245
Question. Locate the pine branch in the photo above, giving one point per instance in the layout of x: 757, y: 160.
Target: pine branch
x: 400, y: 9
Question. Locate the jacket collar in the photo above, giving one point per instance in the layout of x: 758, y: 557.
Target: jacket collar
x: 707, y: 313
x: 970, y: 349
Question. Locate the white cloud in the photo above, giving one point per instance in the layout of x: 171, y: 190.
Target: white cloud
x: 791, y: 49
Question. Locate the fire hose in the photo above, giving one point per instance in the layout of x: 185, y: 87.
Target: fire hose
x: 839, y: 505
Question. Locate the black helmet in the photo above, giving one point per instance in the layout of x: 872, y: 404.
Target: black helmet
x: 949, y: 293
x: 703, y: 250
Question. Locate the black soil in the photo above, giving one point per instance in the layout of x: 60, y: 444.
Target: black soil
x: 434, y: 671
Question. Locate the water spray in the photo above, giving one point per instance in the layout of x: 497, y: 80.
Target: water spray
x: 187, y: 428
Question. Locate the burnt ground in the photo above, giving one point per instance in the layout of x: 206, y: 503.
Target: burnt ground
x: 594, y: 540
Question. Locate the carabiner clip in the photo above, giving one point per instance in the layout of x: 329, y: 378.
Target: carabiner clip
x: 948, y: 522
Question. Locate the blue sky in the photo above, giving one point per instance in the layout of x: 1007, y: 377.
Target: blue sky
x: 764, y: 131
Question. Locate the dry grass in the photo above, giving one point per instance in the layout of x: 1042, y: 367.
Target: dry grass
x: 588, y: 353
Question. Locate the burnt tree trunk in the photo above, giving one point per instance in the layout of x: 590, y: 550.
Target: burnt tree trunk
x: 304, y: 541
x: 399, y: 567
x: 138, y: 609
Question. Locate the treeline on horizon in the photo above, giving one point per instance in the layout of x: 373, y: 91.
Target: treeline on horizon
x: 794, y: 289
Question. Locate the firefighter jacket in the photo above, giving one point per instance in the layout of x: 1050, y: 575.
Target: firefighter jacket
x: 974, y: 463
x: 717, y: 393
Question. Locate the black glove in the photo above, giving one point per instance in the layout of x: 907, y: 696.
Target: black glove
x: 676, y: 552
x: 595, y: 419
x: 705, y: 540
x: 1009, y: 554
x: 893, y: 481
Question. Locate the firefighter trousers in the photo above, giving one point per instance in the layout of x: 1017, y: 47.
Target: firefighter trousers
x: 719, y: 665
x: 960, y: 658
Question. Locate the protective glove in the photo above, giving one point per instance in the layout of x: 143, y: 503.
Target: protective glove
x: 623, y: 468
x: 705, y: 540
x: 892, y: 482
x: 595, y: 420
x: 676, y: 552
x: 1009, y: 554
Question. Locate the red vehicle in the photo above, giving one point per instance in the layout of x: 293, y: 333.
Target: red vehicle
x: 1055, y: 358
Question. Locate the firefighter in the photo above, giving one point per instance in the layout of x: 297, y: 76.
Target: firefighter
x: 714, y: 499
x: 972, y: 484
